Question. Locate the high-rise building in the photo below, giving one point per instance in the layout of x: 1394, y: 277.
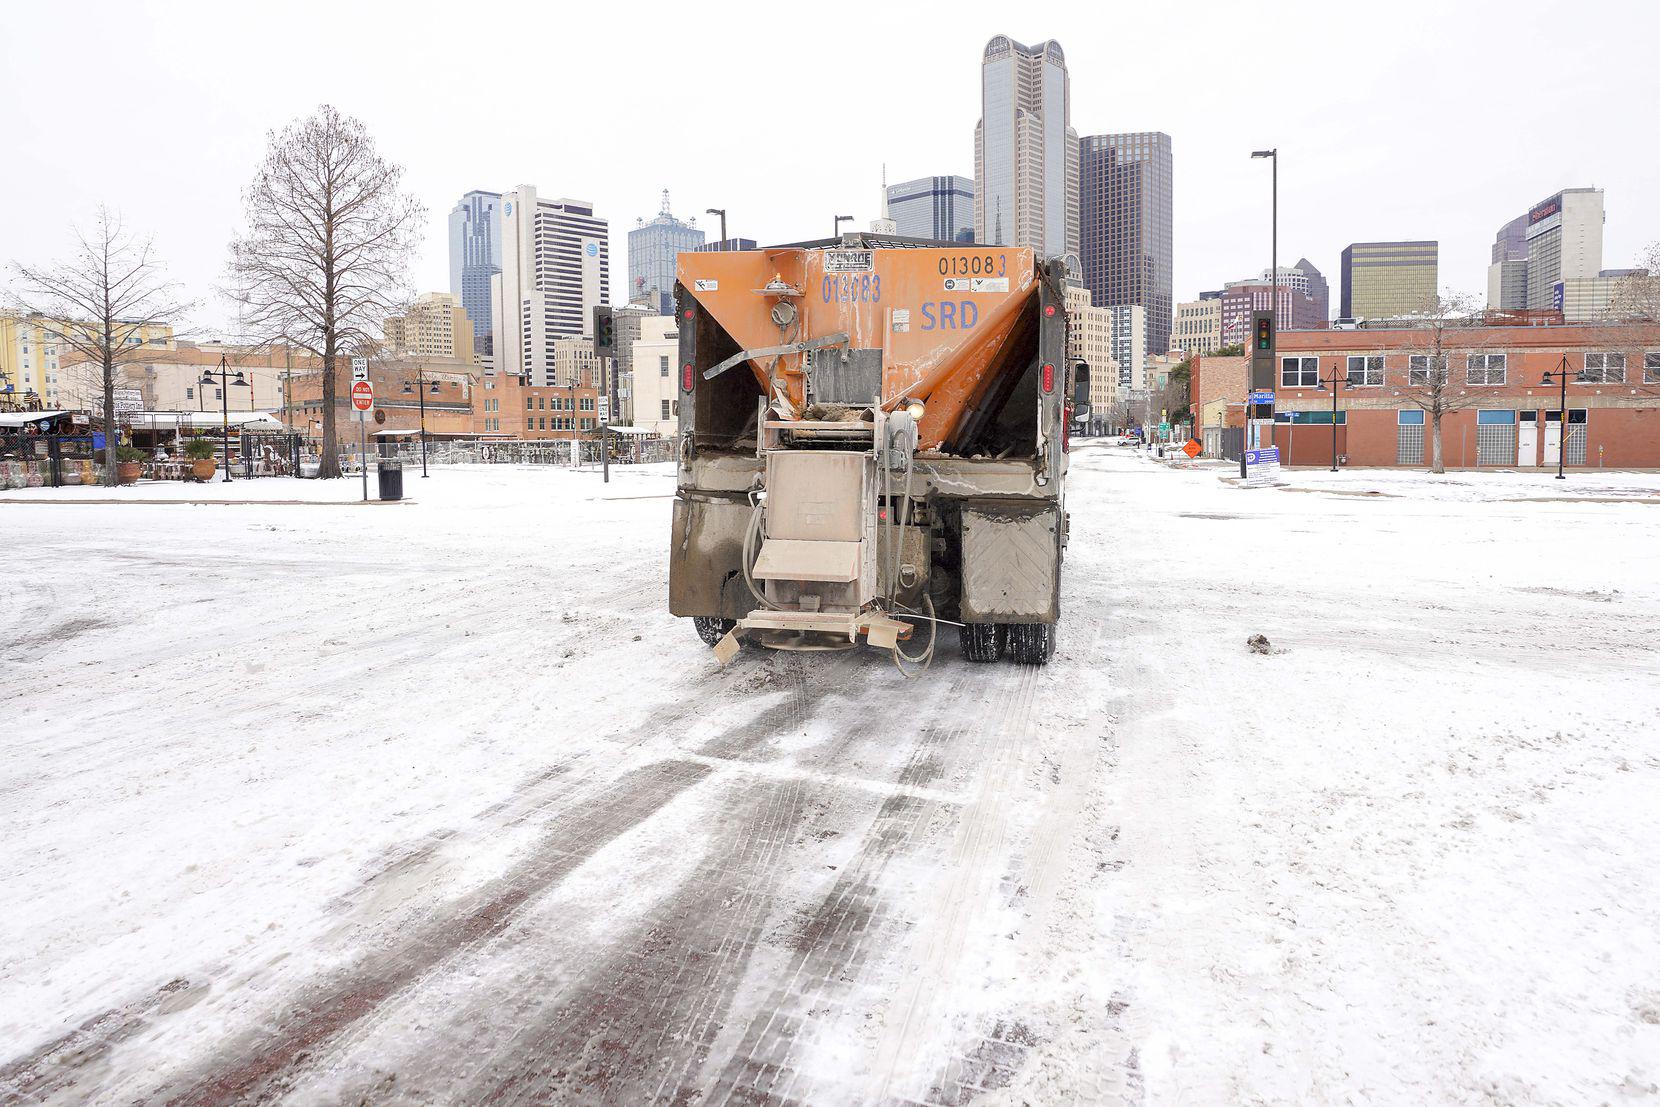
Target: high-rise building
x: 1089, y: 339
x: 555, y: 269
x: 1294, y: 308
x: 1198, y: 325
x: 475, y: 257
x: 652, y: 249
x: 1125, y: 230
x: 1129, y: 345
x: 1307, y: 279
x: 1507, y: 272
x: 629, y: 319
x: 435, y: 326
x: 1564, y: 242
x: 1389, y: 279
x: 940, y: 208
x: 1025, y: 150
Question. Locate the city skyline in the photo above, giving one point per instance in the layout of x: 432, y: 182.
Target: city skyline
x: 1343, y: 154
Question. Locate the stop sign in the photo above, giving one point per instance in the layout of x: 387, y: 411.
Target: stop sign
x: 363, y: 395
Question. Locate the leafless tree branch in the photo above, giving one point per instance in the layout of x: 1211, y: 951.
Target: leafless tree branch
x: 325, y: 255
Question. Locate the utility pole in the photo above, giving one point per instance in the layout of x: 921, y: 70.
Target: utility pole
x: 722, y: 213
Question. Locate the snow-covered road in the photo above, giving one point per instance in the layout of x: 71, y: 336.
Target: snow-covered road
x: 434, y: 803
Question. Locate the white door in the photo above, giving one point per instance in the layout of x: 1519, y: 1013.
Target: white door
x: 1527, y: 438
x: 1553, y: 437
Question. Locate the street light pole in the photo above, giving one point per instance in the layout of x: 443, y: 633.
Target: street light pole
x: 1560, y: 375
x: 225, y: 408
x: 1337, y: 381
x: 840, y: 219
x: 722, y: 213
x: 421, y: 394
x: 1273, y: 260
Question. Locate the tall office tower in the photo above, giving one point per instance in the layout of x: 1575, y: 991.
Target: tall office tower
x: 1129, y: 345
x: 555, y: 269
x: 1507, y: 273
x: 1385, y: 279
x: 1564, y: 242
x: 475, y: 257
x: 1125, y: 227
x: 1025, y: 150
x: 652, y: 248
x: 1319, y: 292
x: 940, y: 208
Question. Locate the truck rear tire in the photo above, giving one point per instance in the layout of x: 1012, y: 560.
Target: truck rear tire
x: 1031, y: 643
x: 711, y: 628
x: 982, y: 641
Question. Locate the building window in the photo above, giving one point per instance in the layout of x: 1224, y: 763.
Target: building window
x: 665, y: 414
x: 663, y: 365
x: 1409, y: 436
x: 1365, y: 370
x: 190, y: 393
x: 1485, y: 369
x: 1605, y: 368
x: 1420, y: 368
x: 1299, y: 372
x: 530, y: 403
x: 1495, y: 438
x: 1651, y: 368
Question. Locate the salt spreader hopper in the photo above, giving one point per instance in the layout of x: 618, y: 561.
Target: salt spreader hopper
x: 873, y: 443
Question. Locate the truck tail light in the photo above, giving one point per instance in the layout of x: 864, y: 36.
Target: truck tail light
x: 686, y: 377
x: 1048, y: 376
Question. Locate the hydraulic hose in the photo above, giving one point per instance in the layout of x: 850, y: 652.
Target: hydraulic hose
x: 926, y: 657
x: 750, y: 553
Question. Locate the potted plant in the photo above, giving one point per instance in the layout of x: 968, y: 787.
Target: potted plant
x: 129, y: 464
x: 203, y: 458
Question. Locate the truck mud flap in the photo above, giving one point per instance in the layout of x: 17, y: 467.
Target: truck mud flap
x: 1011, y: 561
x: 706, y: 557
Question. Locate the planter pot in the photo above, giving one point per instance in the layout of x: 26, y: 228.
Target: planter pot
x: 204, y: 469
x: 128, y: 472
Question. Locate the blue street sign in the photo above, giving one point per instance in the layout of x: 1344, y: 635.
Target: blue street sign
x: 1261, y: 398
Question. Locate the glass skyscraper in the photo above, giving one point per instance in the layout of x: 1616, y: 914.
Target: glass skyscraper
x: 475, y: 257
x: 940, y: 208
x: 1126, y: 237
x: 1025, y: 150
x: 652, y: 249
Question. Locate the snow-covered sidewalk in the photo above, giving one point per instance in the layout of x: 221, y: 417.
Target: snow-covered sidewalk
x: 435, y: 803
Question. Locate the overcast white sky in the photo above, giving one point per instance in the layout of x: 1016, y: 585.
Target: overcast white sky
x: 1404, y: 119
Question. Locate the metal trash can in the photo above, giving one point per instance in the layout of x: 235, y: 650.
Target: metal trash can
x: 391, y: 479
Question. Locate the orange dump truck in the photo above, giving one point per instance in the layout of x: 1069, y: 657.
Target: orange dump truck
x: 873, y: 447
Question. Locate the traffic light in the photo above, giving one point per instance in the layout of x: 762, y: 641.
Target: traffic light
x: 605, y: 331
x: 1262, y: 350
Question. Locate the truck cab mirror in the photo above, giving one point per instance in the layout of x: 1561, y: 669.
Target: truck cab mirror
x: 1080, y: 383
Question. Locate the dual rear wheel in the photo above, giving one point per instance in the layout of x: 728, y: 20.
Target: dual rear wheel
x: 1022, y: 643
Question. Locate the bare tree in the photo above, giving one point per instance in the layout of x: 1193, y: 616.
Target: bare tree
x: 1637, y: 297
x: 325, y: 256
x: 98, y: 307
x: 1437, y: 379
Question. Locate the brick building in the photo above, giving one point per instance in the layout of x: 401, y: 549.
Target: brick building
x: 1507, y: 418
x: 448, y: 400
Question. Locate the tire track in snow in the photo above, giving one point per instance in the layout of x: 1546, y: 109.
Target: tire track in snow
x: 261, y: 1066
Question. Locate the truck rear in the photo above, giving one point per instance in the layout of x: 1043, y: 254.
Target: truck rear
x: 872, y: 443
